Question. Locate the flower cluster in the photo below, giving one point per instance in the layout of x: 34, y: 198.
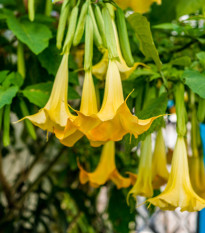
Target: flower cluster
x: 110, y: 122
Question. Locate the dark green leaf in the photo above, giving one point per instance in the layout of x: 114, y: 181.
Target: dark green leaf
x: 50, y: 59
x: 35, y: 35
x: 38, y: 94
x: 142, y: 29
x: 195, y: 81
x: 6, y: 95
x: 120, y: 219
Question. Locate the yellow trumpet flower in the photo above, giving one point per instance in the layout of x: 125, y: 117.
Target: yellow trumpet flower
x: 179, y: 191
x: 197, y: 175
x: 140, y: 6
x: 106, y: 170
x: 159, y: 162
x: 55, y: 113
x: 88, y: 107
x: 143, y: 184
x: 114, y: 119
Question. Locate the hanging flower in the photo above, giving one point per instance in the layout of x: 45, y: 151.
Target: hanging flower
x: 143, y: 184
x: 179, y: 191
x: 88, y: 107
x: 197, y: 175
x: 159, y: 163
x: 106, y: 170
x: 55, y: 113
x: 140, y: 6
x: 114, y: 119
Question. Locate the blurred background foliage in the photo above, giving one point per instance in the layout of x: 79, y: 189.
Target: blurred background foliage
x: 39, y: 184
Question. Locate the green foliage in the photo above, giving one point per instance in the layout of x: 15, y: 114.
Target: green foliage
x: 142, y: 29
x: 9, y: 86
x: 195, y: 81
x: 188, y: 6
x: 44, y: 194
x: 35, y: 35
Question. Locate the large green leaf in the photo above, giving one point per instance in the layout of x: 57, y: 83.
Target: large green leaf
x: 35, y: 35
x: 195, y: 81
x: 142, y: 29
x: 38, y: 94
x: 7, y: 94
x: 50, y: 59
x: 189, y: 6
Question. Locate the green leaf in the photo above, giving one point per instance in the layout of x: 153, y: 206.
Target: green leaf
x: 119, y: 219
x: 35, y: 35
x: 155, y: 107
x: 195, y: 81
x: 142, y: 29
x: 3, y: 75
x: 13, y: 79
x: 7, y: 94
x: 185, y: 7
x: 201, y: 57
x: 50, y: 59
x: 182, y: 61
x: 38, y: 94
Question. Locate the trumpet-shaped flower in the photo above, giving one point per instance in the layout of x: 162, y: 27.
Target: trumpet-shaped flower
x: 140, y: 6
x: 179, y: 191
x: 197, y: 175
x: 55, y: 113
x: 88, y: 107
x: 106, y: 170
x: 143, y: 184
x: 114, y: 119
x: 159, y: 169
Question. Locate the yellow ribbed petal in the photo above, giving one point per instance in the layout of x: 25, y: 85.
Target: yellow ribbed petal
x: 143, y: 184
x: 159, y: 163
x: 141, y: 6
x: 88, y: 101
x: 114, y: 120
x: 179, y: 191
x: 106, y: 170
x: 88, y: 107
x: 113, y: 95
x: 56, y: 112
